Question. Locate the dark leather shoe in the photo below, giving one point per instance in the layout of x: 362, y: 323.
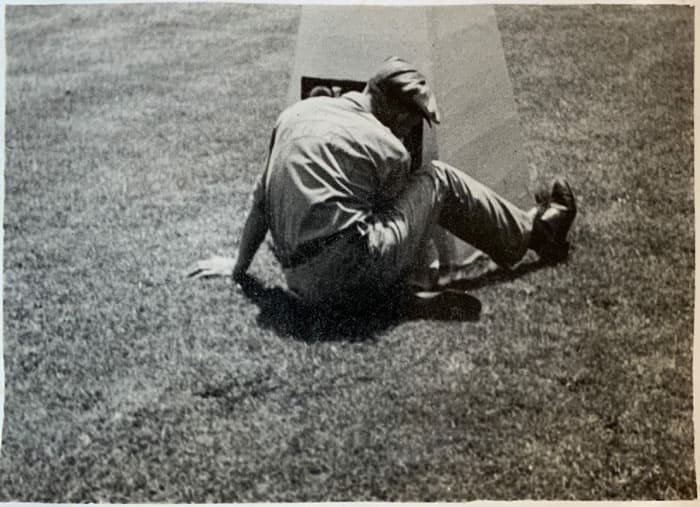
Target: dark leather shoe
x: 554, y: 217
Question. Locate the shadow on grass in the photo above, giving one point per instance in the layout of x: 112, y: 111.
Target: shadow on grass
x: 281, y: 311
x: 496, y: 276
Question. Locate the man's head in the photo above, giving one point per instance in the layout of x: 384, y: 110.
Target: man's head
x: 401, y: 96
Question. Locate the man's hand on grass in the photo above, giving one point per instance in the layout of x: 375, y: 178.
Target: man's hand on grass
x: 215, y: 266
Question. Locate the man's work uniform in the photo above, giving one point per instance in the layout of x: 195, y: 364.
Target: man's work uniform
x: 346, y: 215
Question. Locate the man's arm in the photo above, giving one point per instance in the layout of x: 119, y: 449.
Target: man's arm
x: 256, y: 225
x: 254, y: 232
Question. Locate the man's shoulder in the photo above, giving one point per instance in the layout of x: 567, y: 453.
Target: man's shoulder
x: 341, y: 119
x: 322, y: 109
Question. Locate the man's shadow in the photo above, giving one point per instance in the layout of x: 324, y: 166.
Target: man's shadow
x: 485, y: 278
x: 288, y: 316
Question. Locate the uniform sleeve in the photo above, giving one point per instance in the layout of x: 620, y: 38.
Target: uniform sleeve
x: 258, y: 196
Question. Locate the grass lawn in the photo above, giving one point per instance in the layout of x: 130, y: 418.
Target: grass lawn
x: 133, y: 136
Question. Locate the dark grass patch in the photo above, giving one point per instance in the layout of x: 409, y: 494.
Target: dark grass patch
x: 134, y: 134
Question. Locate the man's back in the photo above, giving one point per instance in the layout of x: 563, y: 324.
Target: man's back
x: 330, y: 164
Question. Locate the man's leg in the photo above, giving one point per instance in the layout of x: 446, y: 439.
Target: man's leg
x: 397, y: 236
x: 439, y: 193
x: 442, y: 194
x: 479, y: 216
x: 424, y: 271
x: 474, y: 213
x: 469, y: 210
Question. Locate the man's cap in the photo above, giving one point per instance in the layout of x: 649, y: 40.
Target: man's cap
x: 398, y: 80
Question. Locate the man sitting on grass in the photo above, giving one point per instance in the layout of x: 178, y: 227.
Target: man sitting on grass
x: 348, y: 217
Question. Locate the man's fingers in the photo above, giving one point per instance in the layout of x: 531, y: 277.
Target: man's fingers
x: 215, y: 266
x: 194, y: 273
x: 193, y: 270
x: 204, y: 273
x: 198, y: 276
x: 194, y: 266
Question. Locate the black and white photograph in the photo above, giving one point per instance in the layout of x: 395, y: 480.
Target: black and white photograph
x: 259, y: 252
